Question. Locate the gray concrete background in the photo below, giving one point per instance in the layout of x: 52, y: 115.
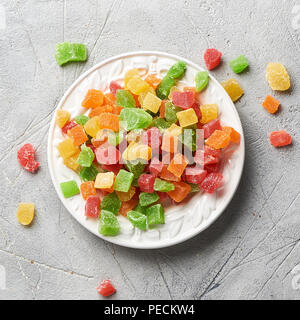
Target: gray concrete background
x: 250, y: 251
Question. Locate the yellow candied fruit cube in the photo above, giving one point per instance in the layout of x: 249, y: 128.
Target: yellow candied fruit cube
x: 137, y: 151
x: 173, y: 89
x: 71, y: 162
x: 130, y: 74
x: 143, y: 94
x: 104, y: 180
x: 151, y: 102
x: 209, y: 112
x: 67, y: 149
x: 92, y: 126
x: 126, y: 196
x: 277, y: 76
x: 233, y: 89
x: 174, y: 130
x: 187, y: 117
x: 62, y: 117
x: 25, y: 213
x: 137, y: 85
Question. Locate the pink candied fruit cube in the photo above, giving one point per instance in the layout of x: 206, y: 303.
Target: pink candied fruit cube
x: 153, y: 138
x: 107, y: 155
x: 184, y: 99
x: 114, y: 86
x: 212, y: 182
x: 92, y: 206
x: 155, y: 166
x: 194, y: 175
x: 146, y: 182
x: 210, y: 127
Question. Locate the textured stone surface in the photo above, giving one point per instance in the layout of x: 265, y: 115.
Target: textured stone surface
x: 250, y: 251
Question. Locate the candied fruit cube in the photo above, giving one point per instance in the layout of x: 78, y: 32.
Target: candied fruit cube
x: 62, y: 117
x: 86, y: 156
x: 218, y: 140
x: 178, y: 164
x: 209, y: 112
x: 163, y: 90
x: 111, y: 203
x: 146, y: 182
x: 126, y: 196
x: 143, y: 94
x: 153, y: 80
x: 167, y: 175
x: 78, y: 135
x: 88, y: 189
x: 108, y: 155
x: 137, y: 219
x: 239, y: 64
x: 92, y: 206
x: 67, y: 149
x: 81, y: 119
x: 235, y: 137
x: 163, y: 186
x: 130, y: 74
x: 125, y: 99
x: 194, y: 175
x: 71, y: 162
x: 169, y: 143
x: 277, y: 76
x: 106, y: 288
x: 109, y: 99
x: 92, y: 126
x: 93, y: 99
x: 155, y: 166
x: 181, y: 190
x: 233, y: 88
x: 68, y: 126
x: 123, y: 181
x: 104, y: 180
x: 177, y: 70
x: 114, y: 86
x: 25, y: 157
x: 187, y: 117
x: 88, y: 173
x: 155, y: 215
x: 212, y: 182
x: 210, y: 127
x: 69, y: 188
x: 201, y: 80
x: 108, y: 224
x: 147, y: 198
x: 280, y: 138
x: 109, y: 121
x: 183, y: 99
x: 212, y: 58
x: 128, y: 206
x: 174, y: 130
x: 66, y: 52
x: 25, y: 213
x: 153, y: 138
x: 271, y: 104
x: 137, y: 151
x: 137, y: 85
x: 151, y: 102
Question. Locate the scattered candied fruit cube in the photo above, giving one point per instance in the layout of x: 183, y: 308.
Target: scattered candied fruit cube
x: 280, y: 138
x: 71, y: 162
x: 106, y: 288
x: 93, y: 99
x: 183, y: 99
x: 212, y: 182
x: 25, y: 213
x: 137, y: 85
x: 233, y: 88
x: 271, y: 104
x: 78, y: 135
x: 187, y: 117
x: 169, y: 143
x: 277, y: 76
x: 26, y: 159
x: 181, y: 190
x: 123, y: 181
x: 92, y: 126
x: 235, y: 137
x: 67, y: 149
x: 68, y: 126
x: 87, y: 189
x: 218, y: 140
x: 153, y: 80
x: 109, y: 121
x: 151, y: 102
x: 212, y: 58
x: 104, y: 180
x: 239, y: 64
x: 209, y: 112
x: 178, y: 165
x: 97, y: 111
x: 62, y: 117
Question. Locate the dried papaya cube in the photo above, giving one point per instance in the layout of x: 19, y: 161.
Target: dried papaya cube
x: 153, y: 138
x: 137, y: 151
x: 212, y: 182
x: 277, y: 76
x: 88, y: 189
x: 271, y: 104
x: 280, y: 138
x: 137, y: 85
x: 178, y: 165
x: 187, y: 117
x: 174, y: 130
x: 181, y: 190
x: 67, y: 149
x: 93, y: 99
x: 92, y: 126
x: 167, y: 175
x: 155, y: 166
x: 109, y: 121
x: 92, y: 206
x: 209, y: 112
x: 153, y: 80
x: 71, y: 162
x: 106, y: 288
x: 127, y: 206
x: 233, y: 88
x: 110, y: 99
x: 25, y: 213
x: 218, y: 140
x: 126, y: 196
x: 78, y: 135
x: 183, y: 99
x: 62, y: 117
x: 130, y: 74
x: 162, y: 109
x: 104, y: 180
x: 151, y: 102
x: 235, y: 137
x: 169, y: 143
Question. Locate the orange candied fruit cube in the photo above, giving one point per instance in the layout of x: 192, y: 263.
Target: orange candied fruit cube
x: 218, y: 140
x: 93, y: 99
x: 169, y: 143
x: 162, y: 109
x: 181, y: 190
x: 136, y: 99
x: 153, y: 80
x: 109, y: 121
x: 97, y: 111
x: 271, y: 104
x: 167, y: 175
x: 88, y: 189
x: 110, y: 99
x: 235, y: 137
x: 128, y: 206
x: 78, y: 135
x: 178, y: 164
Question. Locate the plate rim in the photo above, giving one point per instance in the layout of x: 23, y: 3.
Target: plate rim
x: 163, y: 243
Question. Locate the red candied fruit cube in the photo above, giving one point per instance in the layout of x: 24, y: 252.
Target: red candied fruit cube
x: 106, y: 288
x: 162, y: 196
x: 211, y: 151
x: 210, y: 127
x: 212, y: 182
x: 92, y: 206
x: 155, y: 166
x: 114, y: 86
x: 25, y: 157
x: 146, y: 182
x: 204, y: 160
x: 212, y: 58
x: 194, y: 175
x: 184, y: 99
x: 115, y: 168
x: 280, y: 138
x: 68, y: 126
x: 212, y: 168
x: 153, y: 138
x: 196, y: 107
x: 107, y: 155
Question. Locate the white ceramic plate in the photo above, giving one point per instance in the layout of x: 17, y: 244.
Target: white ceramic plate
x: 182, y: 221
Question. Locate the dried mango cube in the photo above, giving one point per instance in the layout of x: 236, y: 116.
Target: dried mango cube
x: 67, y: 149
x: 277, y: 76
x: 178, y: 165
x: 104, y: 180
x: 137, y: 85
x: 71, y: 162
x: 78, y: 135
x: 69, y: 188
x: 151, y: 102
x: 209, y: 112
x: 218, y: 140
x: 92, y: 126
x: 93, y: 99
x: 174, y: 130
x: 153, y: 80
x: 187, y: 117
x: 109, y: 121
x: 235, y: 137
x: 233, y: 88
x: 271, y: 104
x: 88, y: 189
x: 25, y: 213
x: 126, y: 196
x: 62, y: 117
x: 130, y: 74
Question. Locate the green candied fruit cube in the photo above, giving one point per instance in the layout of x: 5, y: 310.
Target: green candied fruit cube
x: 194, y: 187
x: 163, y: 90
x: 111, y: 203
x: 140, y: 209
x: 115, y: 138
x: 125, y: 99
x: 163, y: 186
x: 137, y: 219
x: 177, y: 70
x: 161, y: 123
x: 86, y: 156
x: 134, y: 118
x: 81, y: 119
x: 66, y: 52
x: 123, y: 181
x: 108, y: 224
x: 88, y: 173
x: 69, y: 188
x: 136, y: 168
x: 148, y: 198
x: 188, y: 138
x: 239, y: 64
x: 201, y: 80
x: 171, y: 111
x: 155, y: 215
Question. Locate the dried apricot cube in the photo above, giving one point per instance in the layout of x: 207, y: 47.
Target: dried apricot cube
x: 87, y: 189
x: 92, y: 126
x: 235, y: 137
x: 104, y: 180
x: 62, y: 117
x: 233, y: 88
x: 209, y: 112
x: 187, y: 117
x: 178, y: 165
x: 109, y: 121
x: 151, y: 102
x: 78, y: 135
x: 271, y: 104
x: 67, y: 149
x: 93, y: 99
x: 25, y: 213
x: 181, y: 190
x: 218, y: 140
